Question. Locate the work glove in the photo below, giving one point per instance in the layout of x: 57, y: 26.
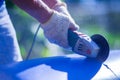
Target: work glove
x: 56, y: 29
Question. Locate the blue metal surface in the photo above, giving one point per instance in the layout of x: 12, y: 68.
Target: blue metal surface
x: 69, y: 67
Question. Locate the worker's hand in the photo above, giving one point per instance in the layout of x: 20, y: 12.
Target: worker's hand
x: 56, y: 29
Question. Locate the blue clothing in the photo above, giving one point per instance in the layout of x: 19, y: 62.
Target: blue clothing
x: 1, y: 2
x: 9, y: 50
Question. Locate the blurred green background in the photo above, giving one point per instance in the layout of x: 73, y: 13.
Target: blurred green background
x: 93, y: 17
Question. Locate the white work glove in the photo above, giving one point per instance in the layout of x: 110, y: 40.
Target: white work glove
x: 56, y: 29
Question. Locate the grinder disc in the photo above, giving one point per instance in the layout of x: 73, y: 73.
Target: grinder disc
x: 103, y: 45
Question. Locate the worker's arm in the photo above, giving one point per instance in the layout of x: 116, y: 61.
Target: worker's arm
x: 36, y: 8
x: 54, y: 23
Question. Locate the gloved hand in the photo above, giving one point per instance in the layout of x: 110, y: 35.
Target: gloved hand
x: 56, y: 29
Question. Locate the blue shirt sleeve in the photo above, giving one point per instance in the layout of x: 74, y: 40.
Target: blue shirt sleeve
x: 9, y: 49
x: 1, y: 2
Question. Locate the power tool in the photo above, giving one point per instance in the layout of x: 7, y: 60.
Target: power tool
x: 77, y: 44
